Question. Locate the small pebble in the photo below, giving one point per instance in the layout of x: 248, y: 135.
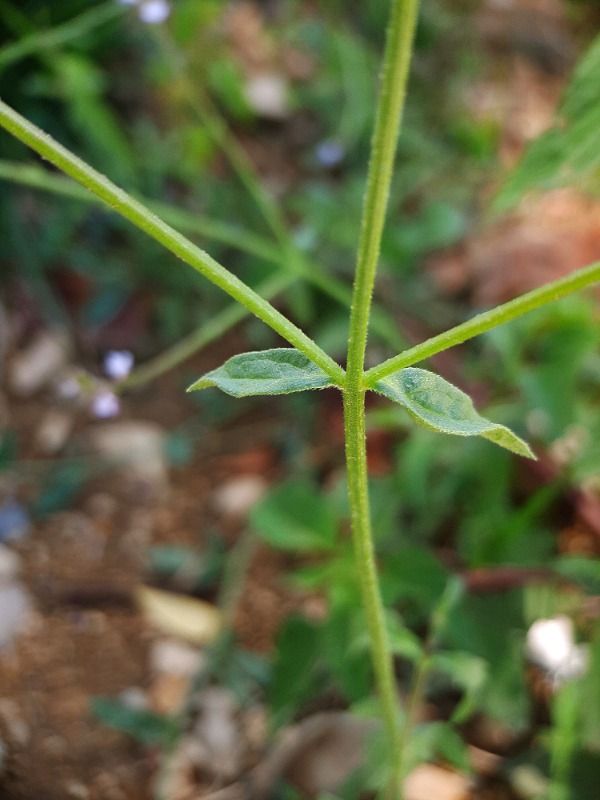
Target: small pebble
x: 76, y: 790
x: 137, y: 448
x: 10, y: 564
x: 15, y: 606
x: 236, y: 496
x: 430, y: 781
x: 35, y: 367
x: 267, y: 95
x: 16, y: 728
x: 53, y: 431
x: 217, y: 729
x: 134, y: 698
x: 175, y: 658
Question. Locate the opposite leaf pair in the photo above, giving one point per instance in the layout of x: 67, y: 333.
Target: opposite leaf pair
x: 430, y: 400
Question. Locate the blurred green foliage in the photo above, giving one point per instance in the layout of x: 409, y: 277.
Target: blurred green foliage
x: 567, y: 154
x: 147, y: 105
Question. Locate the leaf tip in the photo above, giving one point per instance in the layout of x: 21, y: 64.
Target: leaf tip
x: 201, y: 383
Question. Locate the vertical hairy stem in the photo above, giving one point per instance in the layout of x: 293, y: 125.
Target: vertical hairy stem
x: 366, y: 568
x: 383, y: 150
x: 387, y: 125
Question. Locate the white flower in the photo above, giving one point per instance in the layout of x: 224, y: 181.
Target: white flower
x: 550, y: 644
x: 118, y: 364
x: 153, y: 12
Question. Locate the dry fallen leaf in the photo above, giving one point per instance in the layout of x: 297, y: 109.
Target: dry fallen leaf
x: 190, y: 619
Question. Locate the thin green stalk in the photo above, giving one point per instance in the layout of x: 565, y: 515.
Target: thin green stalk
x: 61, y: 34
x: 219, y: 132
x: 438, y: 622
x: 413, y: 706
x: 291, y: 257
x: 144, y: 219
x: 211, y: 330
x: 383, y: 148
x: 191, y: 222
x: 288, y: 255
x: 579, y: 279
x: 366, y: 568
x: 215, y: 230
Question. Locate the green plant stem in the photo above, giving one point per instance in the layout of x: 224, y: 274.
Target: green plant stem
x: 217, y: 129
x: 61, y: 34
x: 438, y: 622
x: 366, y: 568
x: 381, y: 164
x: 216, y: 326
x: 287, y: 255
x: 387, y: 124
x: 414, y: 702
x: 290, y: 255
x: 214, y: 230
x: 144, y: 219
x: 579, y: 279
x: 188, y: 221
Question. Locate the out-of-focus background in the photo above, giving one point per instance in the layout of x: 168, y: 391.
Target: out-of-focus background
x: 176, y: 581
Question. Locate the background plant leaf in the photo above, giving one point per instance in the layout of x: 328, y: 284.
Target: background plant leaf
x: 439, y: 405
x: 567, y: 153
x: 295, y: 668
x: 145, y: 726
x: 297, y: 517
x: 282, y: 370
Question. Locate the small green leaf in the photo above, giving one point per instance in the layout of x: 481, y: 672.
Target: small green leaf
x: 296, y: 669
x: 145, y: 726
x: 296, y: 516
x: 279, y: 371
x: 467, y: 671
x: 440, y: 406
x: 434, y: 739
x: 582, y: 571
x: 403, y: 642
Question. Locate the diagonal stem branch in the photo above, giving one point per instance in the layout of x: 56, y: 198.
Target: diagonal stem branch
x: 211, y: 330
x: 155, y: 227
x: 579, y: 279
x: 190, y: 222
x: 39, y: 41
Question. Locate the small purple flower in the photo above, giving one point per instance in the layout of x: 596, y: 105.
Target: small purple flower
x: 330, y: 153
x: 105, y: 405
x: 118, y: 364
x: 14, y: 521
